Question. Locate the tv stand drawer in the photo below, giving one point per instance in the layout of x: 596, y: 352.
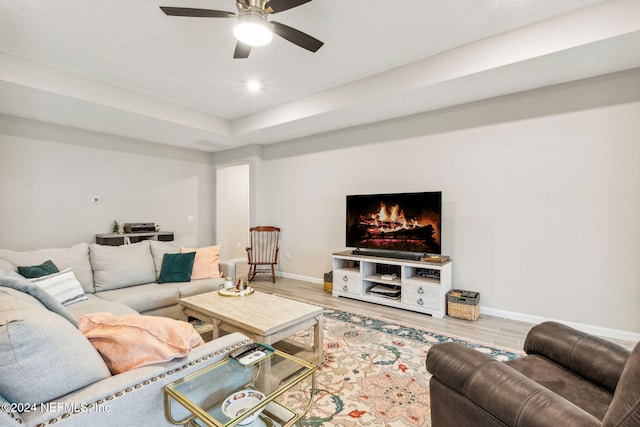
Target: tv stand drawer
x: 347, y: 281
x: 426, y: 296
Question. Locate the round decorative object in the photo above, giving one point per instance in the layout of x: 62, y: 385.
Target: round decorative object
x: 233, y: 292
x: 228, y: 283
x: 240, y: 402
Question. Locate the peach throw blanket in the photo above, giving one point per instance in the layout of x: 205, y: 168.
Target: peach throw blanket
x: 126, y: 342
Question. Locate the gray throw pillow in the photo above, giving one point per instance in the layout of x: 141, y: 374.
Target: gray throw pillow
x: 44, y: 357
x: 116, y: 267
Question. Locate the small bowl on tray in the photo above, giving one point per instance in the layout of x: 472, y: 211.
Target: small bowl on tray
x: 240, y: 402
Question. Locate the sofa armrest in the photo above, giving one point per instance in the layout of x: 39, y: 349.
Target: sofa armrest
x: 593, y: 358
x: 135, y: 397
x: 228, y: 268
x: 501, y: 391
x: 624, y: 409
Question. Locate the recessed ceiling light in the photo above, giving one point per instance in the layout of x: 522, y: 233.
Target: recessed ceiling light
x: 253, y: 85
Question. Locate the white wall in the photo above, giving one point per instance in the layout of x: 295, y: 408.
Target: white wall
x: 540, y: 192
x: 48, y: 175
x: 232, y: 208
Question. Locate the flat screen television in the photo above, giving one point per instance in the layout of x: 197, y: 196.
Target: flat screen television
x: 394, y: 224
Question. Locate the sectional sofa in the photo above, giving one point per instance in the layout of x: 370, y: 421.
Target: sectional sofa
x: 51, y: 373
x: 120, y: 279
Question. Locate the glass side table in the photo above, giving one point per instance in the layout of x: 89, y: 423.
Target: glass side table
x: 197, y: 399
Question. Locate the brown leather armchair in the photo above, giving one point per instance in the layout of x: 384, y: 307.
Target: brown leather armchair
x: 568, y: 378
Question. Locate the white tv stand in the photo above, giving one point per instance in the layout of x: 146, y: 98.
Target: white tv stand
x: 355, y: 275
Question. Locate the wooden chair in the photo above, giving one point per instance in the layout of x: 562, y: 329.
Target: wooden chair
x: 262, y: 253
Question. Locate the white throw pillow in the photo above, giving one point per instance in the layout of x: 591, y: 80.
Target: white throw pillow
x: 63, y: 286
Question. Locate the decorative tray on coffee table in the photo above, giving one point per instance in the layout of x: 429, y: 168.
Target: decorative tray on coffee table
x: 234, y: 292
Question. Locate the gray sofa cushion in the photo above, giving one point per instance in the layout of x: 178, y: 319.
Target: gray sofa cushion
x: 139, y: 297
x: 42, y: 355
x: 10, y: 299
x: 195, y: 287
x: 6, y: 265
x: 116, y: 267
x: 159, y: 249
x: 95, y: 304
x: 76, y: 258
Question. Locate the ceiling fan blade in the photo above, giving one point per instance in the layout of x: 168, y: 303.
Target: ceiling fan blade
x: 242, y: 51
x: 196, y: 13
x: 296, y: 37
x: 282, y: 5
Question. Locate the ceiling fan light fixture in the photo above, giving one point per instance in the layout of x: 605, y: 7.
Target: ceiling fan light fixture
x: 252, y: 29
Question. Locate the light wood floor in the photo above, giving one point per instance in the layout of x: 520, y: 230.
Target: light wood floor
x: 487, y: 329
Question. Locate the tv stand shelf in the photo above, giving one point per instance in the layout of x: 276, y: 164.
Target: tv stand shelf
x: 355, y: 275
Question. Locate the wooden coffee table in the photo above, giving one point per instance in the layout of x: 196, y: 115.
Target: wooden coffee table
x: 262, y: 317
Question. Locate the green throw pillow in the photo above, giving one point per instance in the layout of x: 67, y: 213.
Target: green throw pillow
x: 34, y: 271
x: 176, y: 267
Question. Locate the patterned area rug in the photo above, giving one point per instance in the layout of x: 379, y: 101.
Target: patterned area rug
x: 374, y: 373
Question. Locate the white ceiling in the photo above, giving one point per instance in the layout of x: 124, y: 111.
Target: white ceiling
x: 125, y: 68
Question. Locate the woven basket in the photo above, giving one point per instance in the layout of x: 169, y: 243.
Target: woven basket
x: 463, y: 304
x: 328, y: 281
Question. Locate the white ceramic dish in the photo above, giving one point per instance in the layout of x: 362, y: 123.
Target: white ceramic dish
x: 239, y: 402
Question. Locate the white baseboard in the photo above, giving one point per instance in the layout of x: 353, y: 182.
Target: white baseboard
x: 300, y: 277
x: 591, y: 329
x: 511, y: 315
x: 287, y: 275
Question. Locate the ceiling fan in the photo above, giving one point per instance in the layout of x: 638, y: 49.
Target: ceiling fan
x: 253, y: 28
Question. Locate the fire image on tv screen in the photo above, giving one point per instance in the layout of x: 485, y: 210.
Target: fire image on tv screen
x: 406, y: 222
